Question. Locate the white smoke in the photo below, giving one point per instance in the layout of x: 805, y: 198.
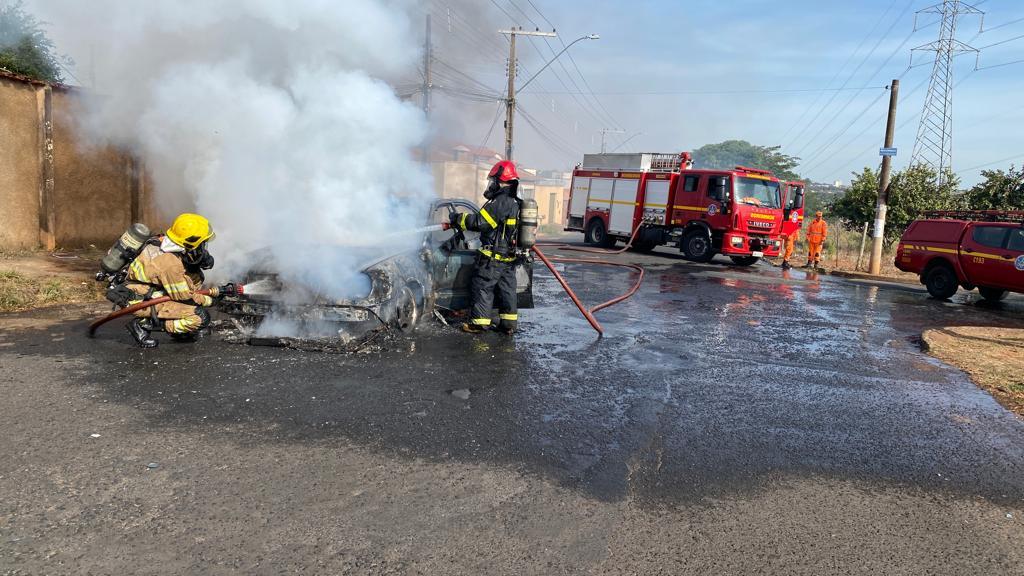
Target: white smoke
x: 271, y: 118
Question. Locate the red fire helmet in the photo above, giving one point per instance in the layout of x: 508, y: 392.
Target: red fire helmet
x: 505, y: 171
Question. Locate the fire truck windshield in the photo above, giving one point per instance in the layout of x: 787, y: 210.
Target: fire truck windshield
x: 757, y: 192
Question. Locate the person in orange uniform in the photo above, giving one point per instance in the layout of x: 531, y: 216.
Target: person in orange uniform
x: 788, y: 248
x: 817, y: 233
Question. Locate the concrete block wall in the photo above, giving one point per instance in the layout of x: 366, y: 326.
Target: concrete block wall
x: 56, y: 189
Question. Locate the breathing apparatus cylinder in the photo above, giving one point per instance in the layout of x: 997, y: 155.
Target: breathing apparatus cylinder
x: 126, y: 249
x: 528, y: 222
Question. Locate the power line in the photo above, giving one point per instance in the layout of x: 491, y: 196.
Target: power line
x: 1000, y: 161
x: 579, y: 72
x: 1001, y: 42
x: 854, y: 73
x: 999, y: 65
x: 834, y: 77
x: 721, y: 92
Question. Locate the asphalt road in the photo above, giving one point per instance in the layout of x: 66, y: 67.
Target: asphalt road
x: 732, y: 421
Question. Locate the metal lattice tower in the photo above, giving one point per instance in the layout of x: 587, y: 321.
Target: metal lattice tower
x: 934, y: 144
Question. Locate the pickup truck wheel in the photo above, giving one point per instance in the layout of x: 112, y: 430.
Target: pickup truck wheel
x: 744, y: 260
x: 597, y: 234
x: 941, y: 282
x: 991, y: 294
x: 697, y: 246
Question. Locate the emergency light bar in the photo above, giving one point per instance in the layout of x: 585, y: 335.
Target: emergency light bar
x: 754, y: 171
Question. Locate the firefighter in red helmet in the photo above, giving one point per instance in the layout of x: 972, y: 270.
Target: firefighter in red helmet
x: 494, y: 276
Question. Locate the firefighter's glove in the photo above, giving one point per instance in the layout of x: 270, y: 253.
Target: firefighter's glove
x: 203, y: 299
x: 454, y: 219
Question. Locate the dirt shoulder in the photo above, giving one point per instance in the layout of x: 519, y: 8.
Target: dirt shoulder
x: 994, y: 358
x: 31, y: 279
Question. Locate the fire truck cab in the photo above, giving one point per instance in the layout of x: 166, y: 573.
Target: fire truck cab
x: 660, y: 198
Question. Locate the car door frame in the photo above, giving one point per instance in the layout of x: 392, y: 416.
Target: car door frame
x: 984, y: 265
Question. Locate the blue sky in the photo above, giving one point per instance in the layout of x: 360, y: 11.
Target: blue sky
x: 736, y: 53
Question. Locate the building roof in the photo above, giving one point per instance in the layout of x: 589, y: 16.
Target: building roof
x: 5, y: 73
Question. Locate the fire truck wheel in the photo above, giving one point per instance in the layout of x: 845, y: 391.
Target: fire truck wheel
x: 596, y: 234
x: 991, y: 294
x: 744, y: 260
x: 941, y: 282
x: 697, y: 246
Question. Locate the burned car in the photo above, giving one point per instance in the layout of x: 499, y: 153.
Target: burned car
x: 403, y: 287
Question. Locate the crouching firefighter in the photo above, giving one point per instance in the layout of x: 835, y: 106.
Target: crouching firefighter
x: 170, y: 265
x: 494, y: 275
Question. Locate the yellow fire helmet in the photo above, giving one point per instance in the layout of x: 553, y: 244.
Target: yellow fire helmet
x: 190, y: 230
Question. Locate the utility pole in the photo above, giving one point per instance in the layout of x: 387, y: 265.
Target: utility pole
x: 883, y: 182
x: 605, y: 132
x: 510, y: 101
x: 428, y: 85
x: 428, y: 60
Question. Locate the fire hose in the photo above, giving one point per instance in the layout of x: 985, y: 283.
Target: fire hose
x: 227, y: 289
x: 589, y: 313
x: 133, y: 309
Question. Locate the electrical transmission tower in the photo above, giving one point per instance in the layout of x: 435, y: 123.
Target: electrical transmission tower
x: 934, y: 144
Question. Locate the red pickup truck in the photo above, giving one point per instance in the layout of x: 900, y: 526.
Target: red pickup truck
x: 973, y: 249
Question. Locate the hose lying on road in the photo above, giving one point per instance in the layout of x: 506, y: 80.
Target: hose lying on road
x: 589, y: 313
x: 132, y: 309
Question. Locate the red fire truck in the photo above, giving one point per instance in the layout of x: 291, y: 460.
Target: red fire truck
x: 737, y: 213
x: 793, y: 207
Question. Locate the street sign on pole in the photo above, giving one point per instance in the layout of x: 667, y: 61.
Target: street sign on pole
x: 886, y: 151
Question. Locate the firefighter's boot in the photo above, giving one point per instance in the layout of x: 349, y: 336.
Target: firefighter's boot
x: 140, y: 328
x: 786, y: 265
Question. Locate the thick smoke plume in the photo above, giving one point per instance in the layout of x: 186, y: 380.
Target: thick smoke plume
x: 273, y: 119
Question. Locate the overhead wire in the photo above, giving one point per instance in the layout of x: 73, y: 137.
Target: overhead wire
x: 854, y: 73
x: 833, y: 79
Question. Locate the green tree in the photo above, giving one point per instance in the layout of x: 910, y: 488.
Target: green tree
x: 725, y: 155
x: 24, y: 46
x: 999, y: 191
x: 857, y: 206
x: 911, y: 192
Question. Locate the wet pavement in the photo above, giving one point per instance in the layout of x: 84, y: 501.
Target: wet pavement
x: 731, y: 420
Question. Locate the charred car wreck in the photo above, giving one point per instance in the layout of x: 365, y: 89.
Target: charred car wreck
x: 404, y: 287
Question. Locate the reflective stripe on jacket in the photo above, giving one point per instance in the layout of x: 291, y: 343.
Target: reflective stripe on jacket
x: 497, y: 222
x: 155, y: 269
x: 817, y: 231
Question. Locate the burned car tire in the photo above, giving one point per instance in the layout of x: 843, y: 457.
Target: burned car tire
x: 744, y: 260
x: 407, y: 312
x: 991, y: 294
x: 941, y: 282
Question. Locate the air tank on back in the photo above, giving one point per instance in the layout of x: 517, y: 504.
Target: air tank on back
x: 125, y: 249
x: 528, y: 222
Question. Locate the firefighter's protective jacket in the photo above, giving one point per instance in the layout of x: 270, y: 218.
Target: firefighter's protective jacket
x: 497, y: 223
x: 155, y: 271
x: 817, y: 232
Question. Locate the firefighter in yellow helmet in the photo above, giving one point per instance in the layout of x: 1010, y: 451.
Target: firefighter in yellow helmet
x: 172, y: 265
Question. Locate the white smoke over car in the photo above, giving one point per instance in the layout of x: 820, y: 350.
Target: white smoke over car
x: 273, y: 119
